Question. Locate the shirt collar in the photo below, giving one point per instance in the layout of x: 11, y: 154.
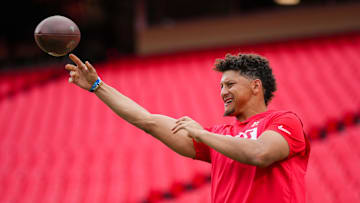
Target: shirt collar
x: 254, y: 117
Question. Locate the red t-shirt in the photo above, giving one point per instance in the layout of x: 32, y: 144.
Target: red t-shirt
x: 283, y: 181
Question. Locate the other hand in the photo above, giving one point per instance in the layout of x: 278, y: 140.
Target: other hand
x: 193, y: 128
x: 83, y: 74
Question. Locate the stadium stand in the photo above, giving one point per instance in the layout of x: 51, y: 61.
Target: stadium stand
x: 61, y: 144
x: 334, y: 168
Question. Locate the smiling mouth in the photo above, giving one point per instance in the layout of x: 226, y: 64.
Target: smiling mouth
x: 228, y: 101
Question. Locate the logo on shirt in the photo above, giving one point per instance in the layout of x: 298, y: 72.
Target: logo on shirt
x: 280, y: 127
x: 248, y: 134
x: 255, y: 124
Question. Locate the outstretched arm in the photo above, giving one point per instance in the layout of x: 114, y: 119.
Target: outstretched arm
x: 159, y: 126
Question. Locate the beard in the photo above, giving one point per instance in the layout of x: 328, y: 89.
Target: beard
x: 229, y: 112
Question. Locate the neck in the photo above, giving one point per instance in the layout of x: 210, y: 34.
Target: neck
x: 251, y: 111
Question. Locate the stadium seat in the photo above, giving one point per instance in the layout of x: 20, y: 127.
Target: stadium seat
x: 62, y: 144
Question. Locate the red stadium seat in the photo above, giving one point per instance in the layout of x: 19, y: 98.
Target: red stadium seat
x: 59, y: 143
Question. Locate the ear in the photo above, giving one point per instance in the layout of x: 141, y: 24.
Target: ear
x: 256, y: 86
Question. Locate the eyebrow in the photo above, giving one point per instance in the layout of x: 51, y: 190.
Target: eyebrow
x: 227, y: 81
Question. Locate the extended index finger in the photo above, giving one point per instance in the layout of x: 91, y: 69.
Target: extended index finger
x: 76, y: 60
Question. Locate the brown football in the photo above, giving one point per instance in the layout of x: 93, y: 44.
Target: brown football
x: 57, y: 35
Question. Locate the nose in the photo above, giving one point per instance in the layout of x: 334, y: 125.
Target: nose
x: 224, y: 91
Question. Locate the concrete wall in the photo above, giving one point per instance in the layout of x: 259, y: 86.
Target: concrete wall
x: 263, y: 26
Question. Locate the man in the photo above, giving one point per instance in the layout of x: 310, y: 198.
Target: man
x: 261, y: 157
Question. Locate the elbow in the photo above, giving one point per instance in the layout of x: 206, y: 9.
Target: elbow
x: 261, y: 160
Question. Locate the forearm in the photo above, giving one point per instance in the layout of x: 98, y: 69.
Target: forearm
x: 158, y: 126
x: 124, y: 106
x: 246, y: 151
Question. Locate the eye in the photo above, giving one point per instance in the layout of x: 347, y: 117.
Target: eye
x: 230, y: 84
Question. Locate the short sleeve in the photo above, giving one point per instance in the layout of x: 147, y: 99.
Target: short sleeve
x: 202, y: 150
x: 290, y: 127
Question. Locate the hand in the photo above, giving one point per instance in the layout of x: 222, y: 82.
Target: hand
x: 82, y: 75
x: 193, y: 128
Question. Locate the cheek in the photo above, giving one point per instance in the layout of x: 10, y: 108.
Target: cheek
x: 242, y: 96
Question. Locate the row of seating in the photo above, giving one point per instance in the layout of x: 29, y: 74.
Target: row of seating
x: 60, y: 143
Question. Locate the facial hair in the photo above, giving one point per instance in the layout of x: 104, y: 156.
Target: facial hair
x: 229, y: 112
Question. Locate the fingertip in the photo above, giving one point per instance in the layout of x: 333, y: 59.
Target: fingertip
x: 87, y: 64
x: 90, y: 67
x: 71, y: 56
x: 70, y: 67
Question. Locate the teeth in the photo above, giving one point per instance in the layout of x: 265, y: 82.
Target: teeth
x: 228, y: 101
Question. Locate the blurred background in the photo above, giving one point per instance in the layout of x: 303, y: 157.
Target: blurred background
x: 140, y: 27
x: 61, y: 144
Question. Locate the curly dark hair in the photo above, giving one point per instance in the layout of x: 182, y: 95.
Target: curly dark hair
x: 251, y: 66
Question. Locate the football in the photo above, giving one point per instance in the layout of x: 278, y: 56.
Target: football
x: 57, y: 35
